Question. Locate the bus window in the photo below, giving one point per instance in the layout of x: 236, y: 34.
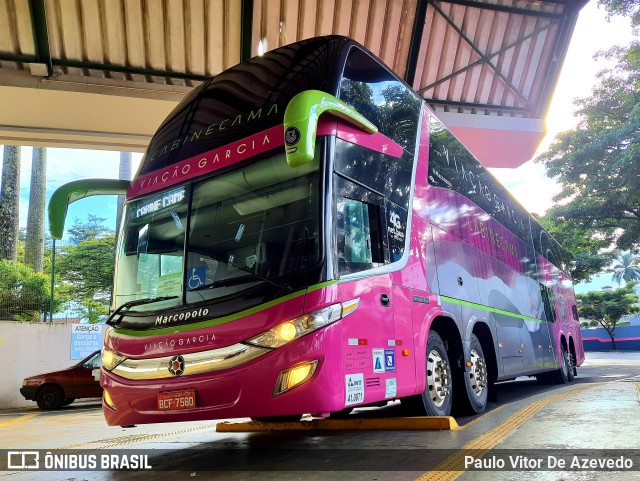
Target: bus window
x: 359, y: 228
x: 549, y: 303
x: 151, y: 254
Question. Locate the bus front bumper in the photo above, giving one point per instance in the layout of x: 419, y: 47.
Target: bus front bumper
x: 243, y: 391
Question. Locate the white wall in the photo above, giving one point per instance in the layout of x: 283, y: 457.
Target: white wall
x: 28, y: 348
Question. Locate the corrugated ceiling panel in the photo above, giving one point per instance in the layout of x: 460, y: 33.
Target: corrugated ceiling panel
x: 467, y: 54
x: 474, y: 55
x: 15, y: 28
x: 384, y: 27
x: 199, y: 37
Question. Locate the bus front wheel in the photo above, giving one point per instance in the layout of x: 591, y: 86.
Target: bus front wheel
x: 436, y: 398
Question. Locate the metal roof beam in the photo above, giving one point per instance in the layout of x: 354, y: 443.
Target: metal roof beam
x: 488, y: 57
x: 41, y: 33
x: 513, y: 88
x: 129, y: 70
x: 416, y: 40
x: 10, y: 57
x: 246, y: 29
x: 504, y: 8
x: 567, y: 26
x: 473, y: 105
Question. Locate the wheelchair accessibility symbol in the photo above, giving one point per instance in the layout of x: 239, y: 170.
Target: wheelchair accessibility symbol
x: 197, y: 276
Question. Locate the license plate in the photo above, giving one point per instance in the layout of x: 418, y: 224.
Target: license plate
x: 176, y: 400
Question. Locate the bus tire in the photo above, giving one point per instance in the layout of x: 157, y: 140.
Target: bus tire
x: 563, y: 375
x: 472, y: 387
x: 437, y: 395
x: 569, y: 365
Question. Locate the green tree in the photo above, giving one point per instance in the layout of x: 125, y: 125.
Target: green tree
x: 598, y: 163
x: 584, y: 254
x: 92, y: 228
x: 607, y: 308
x: 84, y: 268
x: 626, y: 269
x: 627, y: 8
x: 24, y: 294
x: 85, y: 274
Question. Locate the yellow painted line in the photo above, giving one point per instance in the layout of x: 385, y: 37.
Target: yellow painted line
x: 434, y: 423
x: 25, y: 417
x: 449, y: 469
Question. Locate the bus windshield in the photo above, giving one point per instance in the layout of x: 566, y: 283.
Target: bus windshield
x: 212, y: 239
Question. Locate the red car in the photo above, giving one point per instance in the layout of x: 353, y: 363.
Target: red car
x: 60, y: 388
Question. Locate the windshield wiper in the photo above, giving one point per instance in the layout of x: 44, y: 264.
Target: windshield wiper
x: 130, y: 304
x: 232, y: 281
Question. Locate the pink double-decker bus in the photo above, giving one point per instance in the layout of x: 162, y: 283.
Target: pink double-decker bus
x: 305, y: 236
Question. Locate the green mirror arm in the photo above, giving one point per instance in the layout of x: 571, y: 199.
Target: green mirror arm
x: 301, y: 123
x: 79, y: 189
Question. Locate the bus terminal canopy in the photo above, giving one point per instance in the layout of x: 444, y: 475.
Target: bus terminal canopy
x: 103, y: 75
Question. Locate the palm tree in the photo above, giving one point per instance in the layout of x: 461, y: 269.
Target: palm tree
x: 34, y: 243
x: 626, y: 269
x: 10, y: 203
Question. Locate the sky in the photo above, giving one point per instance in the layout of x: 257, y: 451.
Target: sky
x: 527, y: 183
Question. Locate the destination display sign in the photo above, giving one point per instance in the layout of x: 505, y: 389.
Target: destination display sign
x: 159, y: 202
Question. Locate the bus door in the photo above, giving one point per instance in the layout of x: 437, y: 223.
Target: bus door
x: 368, y: 333
x: 551, y: 360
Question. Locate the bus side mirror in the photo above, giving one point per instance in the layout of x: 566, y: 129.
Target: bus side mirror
x: 76, y: 190
x: 301, y: 123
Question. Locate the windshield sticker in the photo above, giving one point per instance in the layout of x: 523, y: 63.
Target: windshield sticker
x: 240, y: 232
x: 170, y: 284
x: 176, y: 219
x: 197, y: 276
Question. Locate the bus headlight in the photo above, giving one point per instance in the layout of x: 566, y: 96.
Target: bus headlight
x: 294, y: 376
x: 300, y: 326
x: 110, y: 359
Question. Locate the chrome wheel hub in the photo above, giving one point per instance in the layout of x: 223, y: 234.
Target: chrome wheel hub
x: 478, y: 373
x: 438, y: 378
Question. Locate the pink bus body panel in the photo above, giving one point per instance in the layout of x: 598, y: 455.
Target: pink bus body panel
x: 445, y: 227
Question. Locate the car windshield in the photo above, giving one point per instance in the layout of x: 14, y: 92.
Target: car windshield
x: 251, y: 226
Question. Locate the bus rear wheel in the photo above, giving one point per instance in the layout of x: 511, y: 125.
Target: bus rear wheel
x: 563, y: 375
x: 473, y: 385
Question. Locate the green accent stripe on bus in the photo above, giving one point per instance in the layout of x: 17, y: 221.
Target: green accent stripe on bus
x: 322, y: 285
x: 220, y: 320
x: 488, y: 309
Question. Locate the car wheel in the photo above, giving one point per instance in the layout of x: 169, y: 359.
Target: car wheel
x: 67, y: 401
x: 50, y: 397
